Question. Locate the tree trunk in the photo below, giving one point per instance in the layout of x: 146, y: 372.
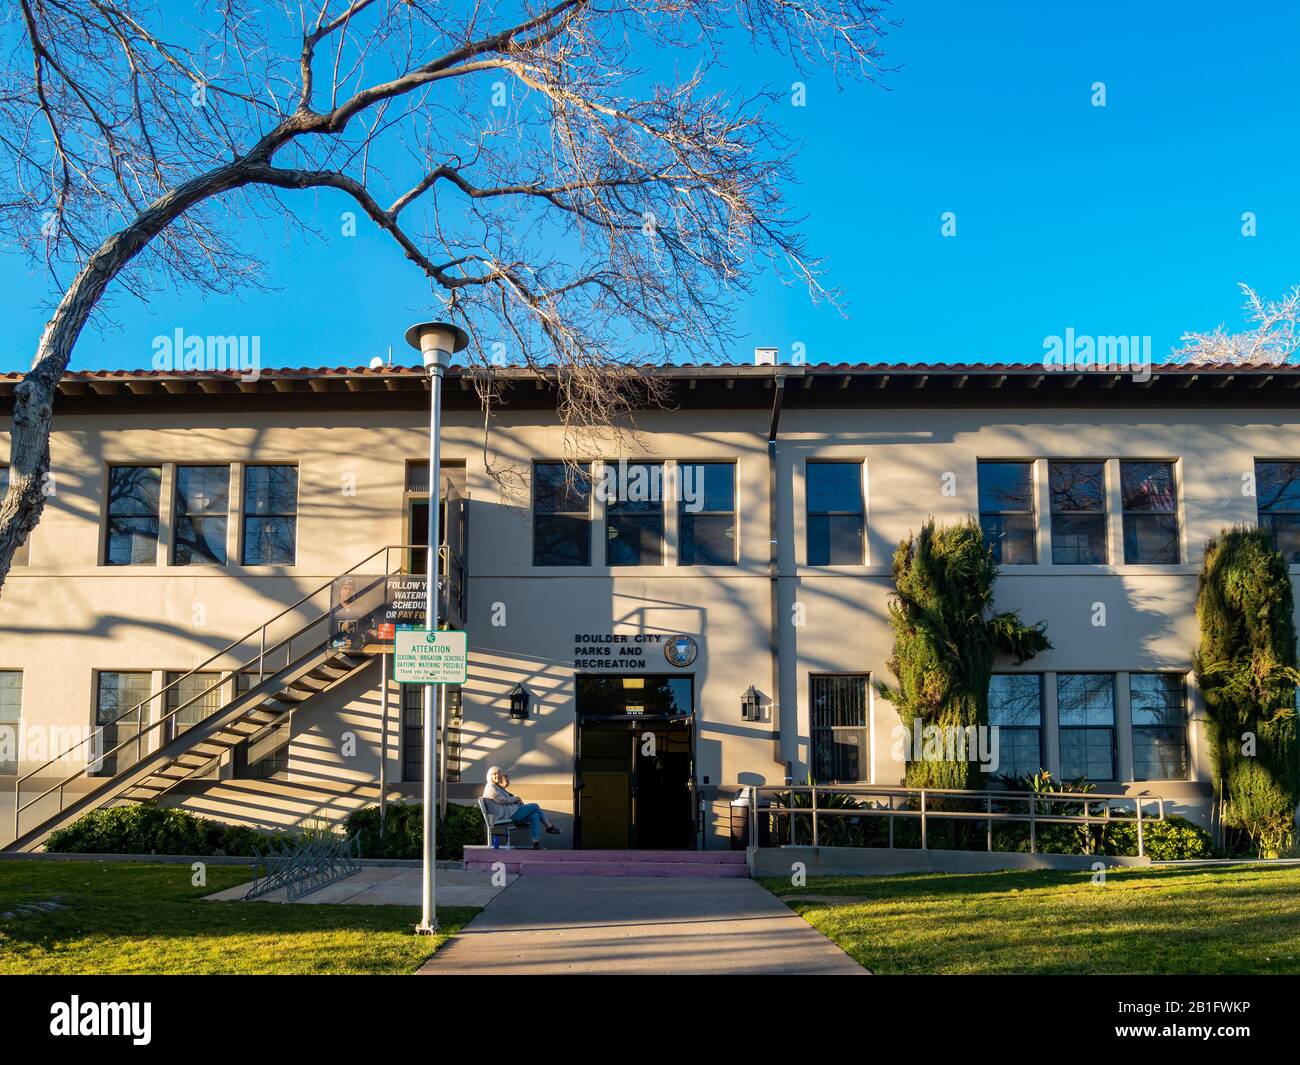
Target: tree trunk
x: 29, y: 460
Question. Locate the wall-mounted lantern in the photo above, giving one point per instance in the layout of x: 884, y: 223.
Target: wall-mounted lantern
x: 751, y: 706
x: 519, y: 699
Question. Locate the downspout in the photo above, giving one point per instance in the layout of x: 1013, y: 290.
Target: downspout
x: 773, y: 571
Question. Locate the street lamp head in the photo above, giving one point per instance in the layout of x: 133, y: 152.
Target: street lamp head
x: 437, y: 342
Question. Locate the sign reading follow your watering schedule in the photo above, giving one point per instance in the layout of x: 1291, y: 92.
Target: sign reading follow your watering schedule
x: 430, y: 656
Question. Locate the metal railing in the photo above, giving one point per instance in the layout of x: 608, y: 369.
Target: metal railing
x: 269, y: 649
x: 927, y: 805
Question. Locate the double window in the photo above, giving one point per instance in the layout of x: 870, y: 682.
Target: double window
x: 1277, y: 495
x: 835, y: 513
x: 11, y: 711
x: 200, y: 515
x: 1016, y: 711
x: 270, y: 515
x: 1007, y: 511
x: 132, y: 534
x: 706, y: 514
x: 1150, y: 512
x: 1159, y: 708
x: 561, y: 514
x: 1086, y: 714
x: 840, y: 751
x: 1078, y: 495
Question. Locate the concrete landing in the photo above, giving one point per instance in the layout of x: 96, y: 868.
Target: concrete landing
x: 557, y: 925
x: 386, y: 887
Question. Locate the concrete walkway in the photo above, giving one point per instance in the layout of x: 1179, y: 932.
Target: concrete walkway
x: 555, y: 925
x: 385, y: 886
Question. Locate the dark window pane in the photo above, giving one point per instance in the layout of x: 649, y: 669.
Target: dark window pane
x: 707, y: 487
x: 1011, y: 536
x: 834, y: 487
x: 202, y: 500
x: 1285, y: 530
x: 132, y: 542
x: 1277, y: 486
x: 1078, y: 539
x: 1016, y: 699
x: 707, y: 539
x: 117, y: 716
x: 839, y: 734
x: 1019, y: 752
x: 196, y: 694
x: 1159, y: 710
x: 1087, y: 752
x: 1077, y: 486
x: 559, y: 540
x: 270, y: 541
x: 834, y: 540
x: 561, y: 489
x: 271, y: 490
x: 1006, y: 486
x: 200, y: 541
x: 202, y: 489
x: 634, y: 540
x: 1085, y: 699
x: 1160, y: 754
x: 1151, y: 538
x: 1148, y: 486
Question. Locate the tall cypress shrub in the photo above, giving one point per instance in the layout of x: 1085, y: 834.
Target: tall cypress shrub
x: 946, y: 637
x: 1246, y: 668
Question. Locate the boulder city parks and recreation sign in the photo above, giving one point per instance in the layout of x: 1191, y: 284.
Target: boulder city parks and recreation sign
x: 624, y: 652
x: 430, y: 656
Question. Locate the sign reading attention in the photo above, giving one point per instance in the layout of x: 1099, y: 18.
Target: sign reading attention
x: 430, y: 656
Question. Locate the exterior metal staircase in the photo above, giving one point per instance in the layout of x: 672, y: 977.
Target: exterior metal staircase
x: 285, y: 662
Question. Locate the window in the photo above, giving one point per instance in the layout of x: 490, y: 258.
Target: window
x: 1277, y: 494
x: 413, y: 732
x: 202, y: 503
x: 1016, y: 711
x: 1086, y: 713
x: 634, y: 516
x: 839, y: 729
x: 11, y: 710
x: 270, y: 515
x: 834, y: 513
x: 1159, y: 706
x: 1150, y: 512
x: 706, y: 516
x: 133, y: 493
x: 1007, y: 511
x: 200, y: 691
x: 1078, y: 494
x: 20, y: 556
x: 561, y: 514
x: 117, y: 715
x: 265, y: 753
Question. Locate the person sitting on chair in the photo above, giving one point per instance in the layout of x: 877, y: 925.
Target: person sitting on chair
x: 503, y: 806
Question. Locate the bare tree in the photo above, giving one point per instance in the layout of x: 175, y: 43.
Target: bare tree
x: 1273, y: 339
x: 585, y: 214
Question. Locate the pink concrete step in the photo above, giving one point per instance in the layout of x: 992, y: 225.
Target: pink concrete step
x: 608, y: 863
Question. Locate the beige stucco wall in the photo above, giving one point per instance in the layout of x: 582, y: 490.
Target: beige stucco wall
x: 64, y: 616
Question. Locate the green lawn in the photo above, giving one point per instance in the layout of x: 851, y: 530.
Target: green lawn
x: 1244, y: 920
x: 131, y: 917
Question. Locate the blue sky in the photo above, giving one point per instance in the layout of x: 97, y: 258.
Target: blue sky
x: 1117, y: 220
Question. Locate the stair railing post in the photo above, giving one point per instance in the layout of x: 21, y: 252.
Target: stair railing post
x: 989, y: 806
x: 1137, y: 801
x: 925, y: 840
x: 815, y: 840
x: 1033, y: 825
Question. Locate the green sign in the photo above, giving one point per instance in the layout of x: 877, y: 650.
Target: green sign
x: 430, y: 656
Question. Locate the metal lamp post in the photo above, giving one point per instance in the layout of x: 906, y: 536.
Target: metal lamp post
x: 436, y: 343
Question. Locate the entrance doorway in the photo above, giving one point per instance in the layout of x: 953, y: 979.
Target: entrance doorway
x: 634, y: 784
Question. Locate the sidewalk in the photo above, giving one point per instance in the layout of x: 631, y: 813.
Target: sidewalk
x: 385, y: 886
x: 549, y: 925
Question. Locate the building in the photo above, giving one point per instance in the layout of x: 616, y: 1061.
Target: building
x: 743, y: 622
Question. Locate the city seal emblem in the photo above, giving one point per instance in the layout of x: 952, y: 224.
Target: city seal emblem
x: 680, y: 651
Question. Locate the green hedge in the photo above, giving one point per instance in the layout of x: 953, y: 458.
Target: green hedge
x: 404, y: 831
x: 148, y: 829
